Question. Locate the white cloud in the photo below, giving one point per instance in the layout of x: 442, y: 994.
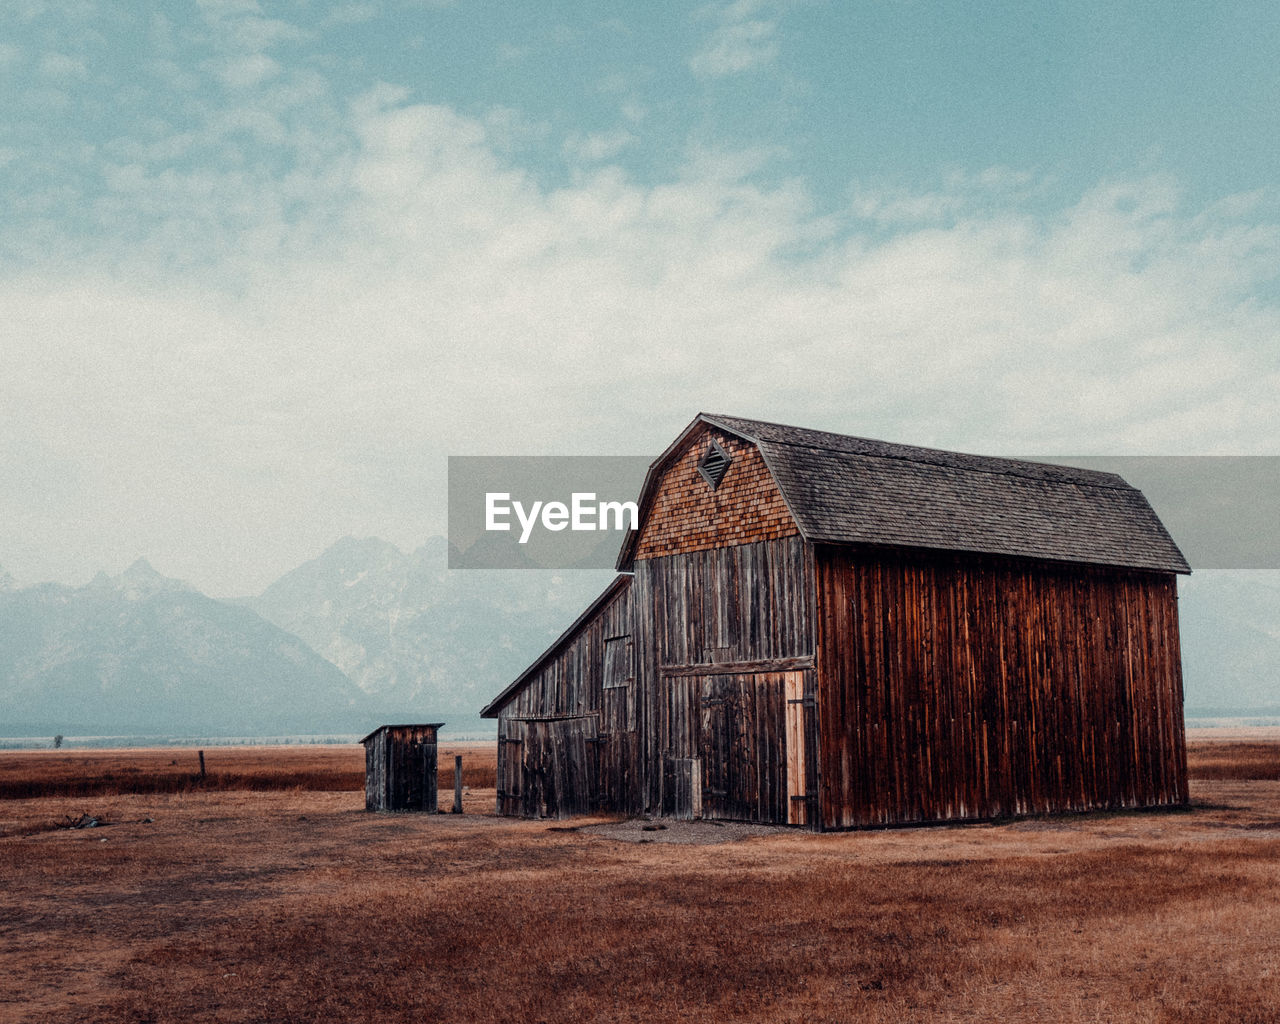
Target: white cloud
x: 274, y: 359
x: 241, y: 25
x: 741, y: 41
x: 60, y: 66
x: 249, y: 71
x: 594, y: 148
x: 352, y: 13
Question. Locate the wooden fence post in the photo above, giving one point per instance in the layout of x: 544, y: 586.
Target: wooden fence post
x: 457, y: 784
x: 201, y: 753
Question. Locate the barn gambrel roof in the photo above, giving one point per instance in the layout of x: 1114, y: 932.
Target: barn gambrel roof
x: 851, y: 490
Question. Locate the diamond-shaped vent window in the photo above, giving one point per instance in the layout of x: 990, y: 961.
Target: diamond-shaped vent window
x: 714, y: 464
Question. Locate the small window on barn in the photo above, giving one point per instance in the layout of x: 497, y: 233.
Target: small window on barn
x: 617, y: 662
x: 714, y: 464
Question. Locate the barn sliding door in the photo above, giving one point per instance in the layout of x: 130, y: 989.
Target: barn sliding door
x: 742, y: 747
x: 552, y: 767
x: 799, y: 714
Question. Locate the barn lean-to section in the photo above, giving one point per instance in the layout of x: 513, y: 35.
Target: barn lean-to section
x: 834, y: 632
x: 567, y: 741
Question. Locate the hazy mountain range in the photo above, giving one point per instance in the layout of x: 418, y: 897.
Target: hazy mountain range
x: 366, y: 633
x: 139, y: 653
x: 361, y: 635
x: 414, y: 635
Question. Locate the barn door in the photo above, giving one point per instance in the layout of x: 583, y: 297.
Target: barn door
x: 510, y: 766
x: 681, y: 766
x: 798, y: 712
x: 718, y: 771
x: 743, y: 747
x: 559, y: 767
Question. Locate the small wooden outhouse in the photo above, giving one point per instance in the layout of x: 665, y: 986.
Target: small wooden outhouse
x: 400, y: 768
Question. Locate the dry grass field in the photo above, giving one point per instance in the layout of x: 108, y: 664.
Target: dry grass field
x: 39, y: 773
x: 240, y: 901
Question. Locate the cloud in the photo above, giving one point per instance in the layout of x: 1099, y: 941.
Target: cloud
x: 60, y: 66
x: 240, y: 24
x: 597, y: 147
x: 739, y: 42
x: 289, y: 310
x: 351, y: 14
x: 249, y: 71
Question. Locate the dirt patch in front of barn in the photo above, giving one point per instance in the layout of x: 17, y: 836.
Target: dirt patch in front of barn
x: 685, y: 833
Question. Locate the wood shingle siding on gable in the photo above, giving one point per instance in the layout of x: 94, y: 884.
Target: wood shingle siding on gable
x: 850, y: 633
x: 689, y: 515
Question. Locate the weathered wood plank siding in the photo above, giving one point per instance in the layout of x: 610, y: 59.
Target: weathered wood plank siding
x: 551, y: 767
x: 719, y: 624
x: 956, y: 686
x: 567, y: 738
x: 400, y: 769
x: 571, y: 680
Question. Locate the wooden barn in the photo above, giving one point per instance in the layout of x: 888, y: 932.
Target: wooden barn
x: 400, y: 768
x: 836, y: 632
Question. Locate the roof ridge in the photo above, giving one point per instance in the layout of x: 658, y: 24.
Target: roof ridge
x: 941, y: 457
x: 1065, y: 470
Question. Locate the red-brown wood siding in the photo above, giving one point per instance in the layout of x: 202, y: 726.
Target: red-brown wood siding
x: 954, y: 686
x: 687, y: 514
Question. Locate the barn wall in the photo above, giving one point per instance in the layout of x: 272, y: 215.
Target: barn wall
x: 717, y: 625
x: 551, y: 767
x: 579, y: 707
x: 960, y: 687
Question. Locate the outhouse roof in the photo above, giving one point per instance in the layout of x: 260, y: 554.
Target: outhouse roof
x: 411, y: 725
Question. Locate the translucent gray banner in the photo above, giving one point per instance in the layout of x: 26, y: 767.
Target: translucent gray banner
x: 572, y: 512
x: 1223, y: 511
x: 541, y: 512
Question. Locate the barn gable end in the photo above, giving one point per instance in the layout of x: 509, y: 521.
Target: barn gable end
x: 686, y: 512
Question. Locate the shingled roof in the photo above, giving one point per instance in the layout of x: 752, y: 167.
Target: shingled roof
x: 851, y: 490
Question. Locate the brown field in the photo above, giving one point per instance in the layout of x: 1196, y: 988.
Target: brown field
x: 240, y: 901
x: 1233, y: 759
x: 66, y: 773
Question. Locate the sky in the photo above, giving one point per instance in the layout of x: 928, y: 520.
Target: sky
x: 264, y: 267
